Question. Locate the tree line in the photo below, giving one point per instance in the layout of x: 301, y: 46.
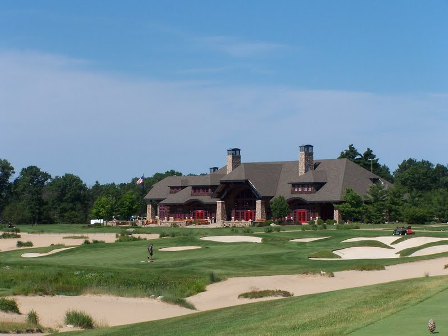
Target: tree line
x: 34, y: 196
x: 419, y: 194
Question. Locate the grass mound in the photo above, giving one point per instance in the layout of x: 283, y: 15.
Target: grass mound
x: 79, y: 319
x: 7, y: 305
x: 264, y: 293
x: 407, y: 252
x: 324, y: 254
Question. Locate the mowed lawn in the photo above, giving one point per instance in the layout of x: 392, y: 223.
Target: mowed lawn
x: 276, y: 255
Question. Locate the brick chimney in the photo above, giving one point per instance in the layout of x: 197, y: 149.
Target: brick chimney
x: 306, y: 159
x: 233, y: 159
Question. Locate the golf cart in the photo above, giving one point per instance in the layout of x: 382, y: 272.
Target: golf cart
x: 403, y: 231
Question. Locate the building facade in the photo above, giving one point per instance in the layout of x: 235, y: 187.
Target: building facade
x: 243, y: 191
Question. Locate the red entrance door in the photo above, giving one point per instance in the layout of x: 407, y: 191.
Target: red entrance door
x: 249, y: 215
x: 199, y: 214
x: 301, y: 216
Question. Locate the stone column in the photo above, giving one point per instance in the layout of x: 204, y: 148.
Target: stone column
x: 220, y: 211
x: 150, y: 211
x: 260, y: 210
x: 337, y: 216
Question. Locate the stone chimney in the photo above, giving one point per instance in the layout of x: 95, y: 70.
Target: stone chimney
x: 306, y: 159
x: 233, y: 159
x: 213, y: 169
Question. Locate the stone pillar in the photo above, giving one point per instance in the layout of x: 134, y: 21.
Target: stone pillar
x: 220, y: 211
x: 337, y: 216
x: 150, y: 211
x: 260, y: 210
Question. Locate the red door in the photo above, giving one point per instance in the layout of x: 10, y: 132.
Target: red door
x: 249, y: 215
x: 199, y: 214
x: 301, y: 216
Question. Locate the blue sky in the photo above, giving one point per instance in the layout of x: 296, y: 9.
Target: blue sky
x: 108, y: 90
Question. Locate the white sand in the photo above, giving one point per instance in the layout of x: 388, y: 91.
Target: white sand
x: 225, y: 294
x: 368, y: 252
x: 306, y: 240
x: 233, y: 239
x: 47, y: 239
x: 105, y: 309
x: 36, y: 255
x: 179, y: 248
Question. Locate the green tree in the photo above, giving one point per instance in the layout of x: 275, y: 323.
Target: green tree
x: 376, y: 203
x: 105, y: 207
x: 128, y: 204
x: 368, y: 161
x: 395, y: 203
x: 27, y: 196
x: 6, y: 172
x: 353, y: 208
x: 439, y: 204
x: 417, y: 176
x: 67, y: 197
x: 280, y: 207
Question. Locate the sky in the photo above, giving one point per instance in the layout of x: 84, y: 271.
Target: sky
x: 111, y: 90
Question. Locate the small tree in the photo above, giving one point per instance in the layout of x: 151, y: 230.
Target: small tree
x: 353, y: 207
x: 280, y: 207
x: 376, y: 208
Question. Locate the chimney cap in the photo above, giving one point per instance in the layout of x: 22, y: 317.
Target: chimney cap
x: 306, y: 148
x: 233, y: 151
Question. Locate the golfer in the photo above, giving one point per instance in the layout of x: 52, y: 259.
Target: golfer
x: 150, y: 252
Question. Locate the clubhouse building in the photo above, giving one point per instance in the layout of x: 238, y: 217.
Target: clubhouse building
x: 243, y: 191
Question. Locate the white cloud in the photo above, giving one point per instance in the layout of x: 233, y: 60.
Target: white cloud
x: 238, y: 48
x: 63, y: 118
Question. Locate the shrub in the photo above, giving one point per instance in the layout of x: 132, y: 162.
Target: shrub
x: 7, y: 305
x: 234, y: 230
x: 24, y: 244
x: 311, y: 222
x: 248, y: 230
x: 416, y: 215
x: 322, y: 227
x: 277, y: 229
x: 330, y: 222
x: 32, y: 318
x: 347, y: 226
x: 320, y: 221
x: 265, y: 293
x: 94, y: 241
x: 6, y: 235
x: 268, y: 229
x: 79, y: 319
x: 86, y: 242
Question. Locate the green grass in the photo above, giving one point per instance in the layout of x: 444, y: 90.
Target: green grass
x: 8, y: 305
x: 366, y: 243
x: 412, y: 321
x: 79, y: 319
x: 324, y: 254
x: 327, y: 314
x: 264, y: 293
x: 407, y: 252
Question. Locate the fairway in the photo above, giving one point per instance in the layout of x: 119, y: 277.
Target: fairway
x: 413, y: 321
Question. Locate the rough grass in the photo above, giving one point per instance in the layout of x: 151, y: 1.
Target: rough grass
x: 20, y: 328
x: 24, y: 244
x: 367, y: 267
x: 76, y: 237
x: 8, y: 305
x: 79, y: 319
x: 327, y: 314
x: 264, y: 293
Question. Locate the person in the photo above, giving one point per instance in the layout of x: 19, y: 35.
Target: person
x: 150, y: 250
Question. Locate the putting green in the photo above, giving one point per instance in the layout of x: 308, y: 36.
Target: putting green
x: 412, y: 321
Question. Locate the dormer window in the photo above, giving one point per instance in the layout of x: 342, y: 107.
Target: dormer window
x: 174, y: 190
x: 302, y: 189
x: 201, y: 191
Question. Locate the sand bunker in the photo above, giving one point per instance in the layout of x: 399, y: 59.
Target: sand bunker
x: 233, y: 239
x: 36, y: 255
x: 48, y: 239
x: 179, y: 248
x: 384, y: 253
x: 306, y: 240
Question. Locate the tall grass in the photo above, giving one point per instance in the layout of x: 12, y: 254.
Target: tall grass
x: 7, y: 305
x: 79, y: 319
